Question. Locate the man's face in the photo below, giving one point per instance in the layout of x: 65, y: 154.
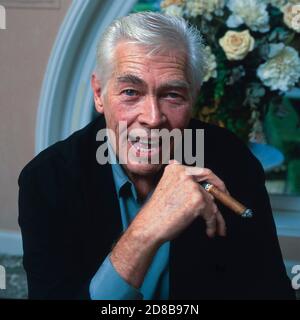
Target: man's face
x: 147, y: 92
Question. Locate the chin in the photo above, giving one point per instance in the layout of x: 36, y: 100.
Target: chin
x: 143, y: 169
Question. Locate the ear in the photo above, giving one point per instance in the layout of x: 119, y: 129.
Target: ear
x: 96, y: 86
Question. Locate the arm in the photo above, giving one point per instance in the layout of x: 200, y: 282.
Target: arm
x: 107, y: 284
x: 176, y: 202
x: 49, y: 254
x: 53, y: 271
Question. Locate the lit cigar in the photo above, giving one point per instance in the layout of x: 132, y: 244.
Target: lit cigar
x: 228, y: 201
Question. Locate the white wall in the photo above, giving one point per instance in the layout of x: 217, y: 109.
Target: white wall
x: 25, y: 47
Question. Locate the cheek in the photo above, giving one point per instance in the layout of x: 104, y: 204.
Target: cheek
x: 179, y: 118
x: 123, y: 112
x: 120, y: 122
x: 116, y: 112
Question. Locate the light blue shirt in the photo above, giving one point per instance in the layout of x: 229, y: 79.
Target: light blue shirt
x: 107, y: 284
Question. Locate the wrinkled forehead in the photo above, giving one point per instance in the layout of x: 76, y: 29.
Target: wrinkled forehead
x: 133, y: 57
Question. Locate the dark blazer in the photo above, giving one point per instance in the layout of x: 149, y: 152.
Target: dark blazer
x: 70, y: 217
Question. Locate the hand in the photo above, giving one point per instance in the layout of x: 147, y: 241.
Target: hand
x: 177, y: 201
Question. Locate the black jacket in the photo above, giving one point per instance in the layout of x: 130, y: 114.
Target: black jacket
x: 70, y: 217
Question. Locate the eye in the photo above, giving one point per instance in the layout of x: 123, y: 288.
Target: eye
x: 172, y: 95
x: 130, y: 92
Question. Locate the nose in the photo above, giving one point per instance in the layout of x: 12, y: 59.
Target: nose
x: 151, y: 115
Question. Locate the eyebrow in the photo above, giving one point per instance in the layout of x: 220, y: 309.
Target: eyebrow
x: 179, y: 84
x: 130, y: 78
x: 133, y: 79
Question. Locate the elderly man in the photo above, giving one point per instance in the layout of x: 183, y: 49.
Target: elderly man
x: 143, y: 230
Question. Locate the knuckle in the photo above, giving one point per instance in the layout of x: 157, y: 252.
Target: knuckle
x: 211, y: 197
x: 222, y: 185
x: 170, y: 167
x: 208, y: 171
x: 183, y: 176
x: 214, y: 208
x: 195, y: 188
x: 211, y: 223
x: 197, y: 199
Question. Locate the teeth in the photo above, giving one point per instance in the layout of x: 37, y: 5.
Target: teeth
x: 143, y: 147
x: 151, y: 143
x: 145, y: 143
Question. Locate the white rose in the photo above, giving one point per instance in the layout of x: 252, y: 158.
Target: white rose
x: 173, y: 7
x: 237, y: 45
x: 204, y: 8
x: 291, y: 16
x: 174, y: 10
x: 167, y: 3
x: 253, y: 13
x: 282, y: 70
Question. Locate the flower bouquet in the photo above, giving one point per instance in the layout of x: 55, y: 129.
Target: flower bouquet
x: 252, y: 58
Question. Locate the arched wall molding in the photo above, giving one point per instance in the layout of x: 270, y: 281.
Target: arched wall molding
x: 66, y: 101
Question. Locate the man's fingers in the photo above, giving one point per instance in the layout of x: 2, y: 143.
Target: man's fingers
x: 204, y: 174
x: 211, y: 215
x: 221, y: 225
x: 215, y: 224
x: 211, y: 219
x: 214, y: 220
x: 211, y: 225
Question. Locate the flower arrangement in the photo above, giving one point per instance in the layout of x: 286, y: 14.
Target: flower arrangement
x: 252, y: 58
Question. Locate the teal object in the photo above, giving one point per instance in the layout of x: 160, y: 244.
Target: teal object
x: 269, y: 156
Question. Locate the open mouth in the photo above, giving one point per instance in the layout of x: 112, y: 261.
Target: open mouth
x: 145, y: 145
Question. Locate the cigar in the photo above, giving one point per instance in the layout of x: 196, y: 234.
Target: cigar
x: 228, y: 201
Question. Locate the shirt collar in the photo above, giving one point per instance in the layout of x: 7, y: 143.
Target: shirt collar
x: 122, y: 182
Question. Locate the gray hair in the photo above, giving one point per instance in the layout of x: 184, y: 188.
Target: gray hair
x: 158, y: 32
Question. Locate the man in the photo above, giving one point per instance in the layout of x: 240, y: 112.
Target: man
x: 141, y: 230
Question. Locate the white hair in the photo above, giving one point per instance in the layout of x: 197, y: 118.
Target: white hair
x: 158, y: 32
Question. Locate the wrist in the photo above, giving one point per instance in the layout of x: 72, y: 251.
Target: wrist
x: 144, y: 240
x: 144, y: 231
x: 132, y: 256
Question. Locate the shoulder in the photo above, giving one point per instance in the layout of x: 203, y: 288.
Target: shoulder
x: 219, y: 135
x: 225, y: 151
x: 64, y: 156
x: 51, y: 185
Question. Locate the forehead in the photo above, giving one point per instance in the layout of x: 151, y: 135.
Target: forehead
x: 138, y: 60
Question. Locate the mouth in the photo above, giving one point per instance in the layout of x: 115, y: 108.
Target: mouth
x: 145, y: 146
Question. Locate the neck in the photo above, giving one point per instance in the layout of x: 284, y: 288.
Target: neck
x: 145, y: 184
